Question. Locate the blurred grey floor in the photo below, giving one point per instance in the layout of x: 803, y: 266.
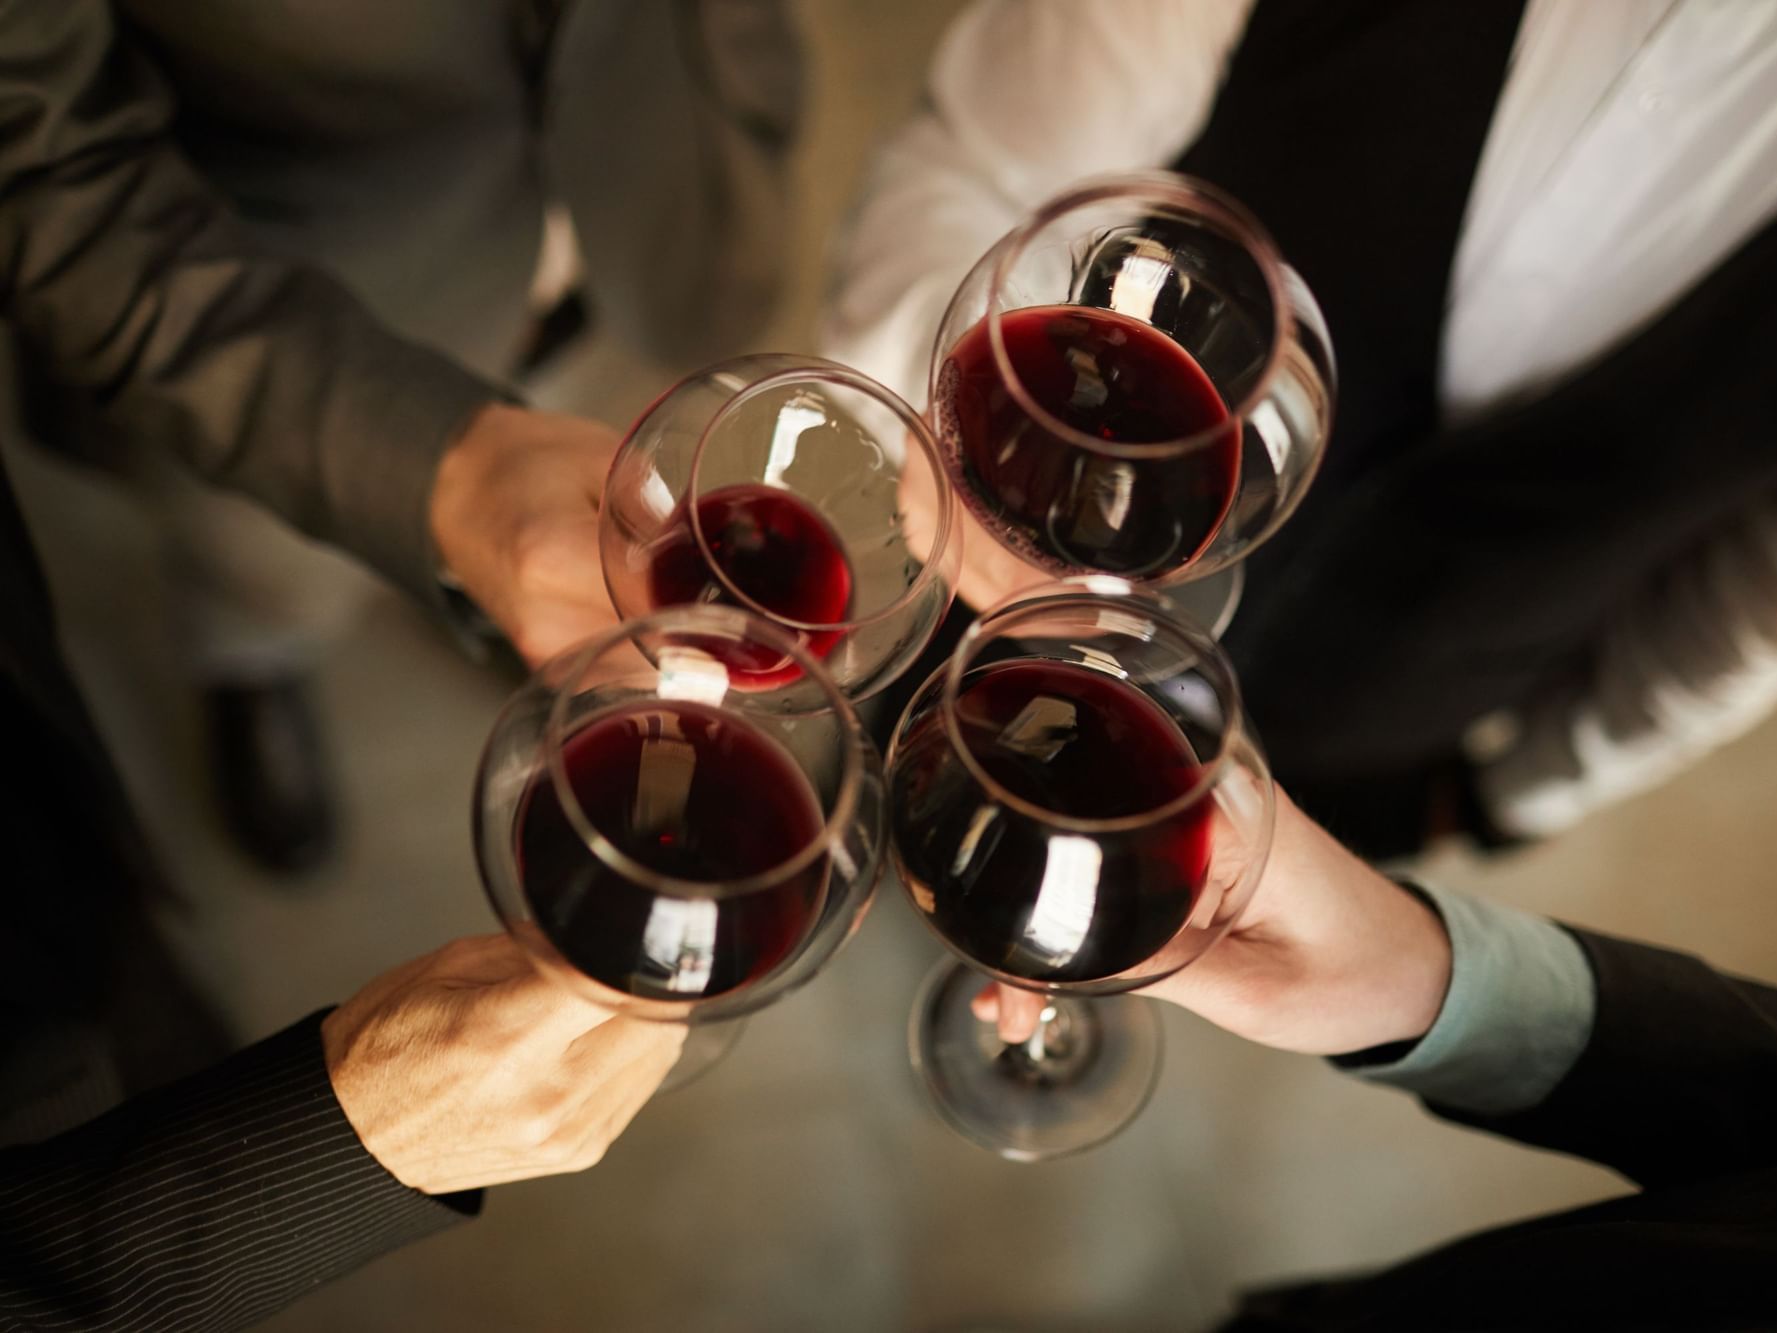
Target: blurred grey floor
x: 804, y: 1185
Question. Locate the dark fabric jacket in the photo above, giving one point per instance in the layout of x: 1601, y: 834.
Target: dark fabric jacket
x: 1677, y: 1089
x: 408, y: 146
x: 1435, y: 574
x: 204, y: 1205
x: 237, y: 232
x: 149, y: 311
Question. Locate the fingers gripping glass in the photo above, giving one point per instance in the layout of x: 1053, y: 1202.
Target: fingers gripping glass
x: 1078, y: 808
x: 666, y: 840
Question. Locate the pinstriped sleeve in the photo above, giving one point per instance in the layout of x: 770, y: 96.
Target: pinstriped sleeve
x: 203, y: 1206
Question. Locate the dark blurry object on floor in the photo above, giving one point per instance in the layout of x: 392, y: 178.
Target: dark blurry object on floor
x: 552, y: 333
x: 271, y: 774
x: 1542, y: 237
x: 448, y: 161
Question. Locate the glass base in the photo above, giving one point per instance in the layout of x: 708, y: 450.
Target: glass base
x: 1086, y: 1074
x: 706, y: 1045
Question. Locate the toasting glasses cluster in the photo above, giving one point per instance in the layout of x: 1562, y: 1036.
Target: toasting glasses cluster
x: 685, y: 817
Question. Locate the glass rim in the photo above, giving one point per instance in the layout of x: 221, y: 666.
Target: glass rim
x: 820, y: 370
x: 1168, y: 189
x: 705, y: 620
x: 1109, y: 592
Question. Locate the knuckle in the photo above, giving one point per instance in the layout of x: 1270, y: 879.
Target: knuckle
x: 535, y: 1130
x: 529, y: 644
x: 538, y: 556
x: 553, y: 1157
x: 464, y: 950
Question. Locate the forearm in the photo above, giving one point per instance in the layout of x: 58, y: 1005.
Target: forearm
x: 205, y: 1206
x: 924, y: 219
x: 1641, y: 1059
x: 149, y: 316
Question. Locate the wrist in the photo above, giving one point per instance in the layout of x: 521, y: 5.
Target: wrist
x: 1413, y: 972
x: 1518, y: 1013
x: 1369, y: 946
x: 462, y: 474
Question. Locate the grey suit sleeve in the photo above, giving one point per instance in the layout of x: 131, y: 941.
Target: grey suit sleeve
x: 147, y: 314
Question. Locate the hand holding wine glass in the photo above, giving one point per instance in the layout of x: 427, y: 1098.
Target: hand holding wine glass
x: 467, y: 1068
x: 514, y: 514
x: 669, y: 841
x: 1329, y: 957
x: 1078, y: 809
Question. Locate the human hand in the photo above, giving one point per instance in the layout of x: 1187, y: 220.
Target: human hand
x: 515, y: 516
x: 468, y: 1067
x: 1329, y: 957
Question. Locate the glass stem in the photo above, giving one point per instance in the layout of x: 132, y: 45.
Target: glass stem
x: 1037, y: 1047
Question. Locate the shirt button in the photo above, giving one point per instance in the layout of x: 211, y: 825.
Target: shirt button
x: 1653, y: 100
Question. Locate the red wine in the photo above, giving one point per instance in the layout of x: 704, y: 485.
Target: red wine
x: 1116, y: 379
x: 689, y: 792
x: 1015, y: 893
x: 774, y: 548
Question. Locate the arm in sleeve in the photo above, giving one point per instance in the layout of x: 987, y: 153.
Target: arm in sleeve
x: 1689, y: 666
x: 147, y: 314
x: 1677, y: 1081
x: 1641, y: 1059
x: 1024, y: 98
x: 1518, y: 1012
x: 205, y: 1206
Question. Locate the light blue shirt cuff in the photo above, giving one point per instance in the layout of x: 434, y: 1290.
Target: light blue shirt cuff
x: 1517, y: 1015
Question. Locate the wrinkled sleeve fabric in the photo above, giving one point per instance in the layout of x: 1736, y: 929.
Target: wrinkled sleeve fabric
x: 148, y: 315
x: 205, y: 1206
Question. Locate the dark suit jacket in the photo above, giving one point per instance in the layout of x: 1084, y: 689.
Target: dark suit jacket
x: 395, y: 142
x: 1677, y: 1089
x: 148, y: 274
x: 143, y: 302
x: 204, y: 1205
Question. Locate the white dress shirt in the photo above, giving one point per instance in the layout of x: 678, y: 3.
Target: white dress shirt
x: 1633, y: 148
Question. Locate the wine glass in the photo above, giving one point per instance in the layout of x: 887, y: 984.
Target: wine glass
x: 774, y: 483
x: 671, y: 845
x: 1077, y: 808
x: 1132, y: 381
